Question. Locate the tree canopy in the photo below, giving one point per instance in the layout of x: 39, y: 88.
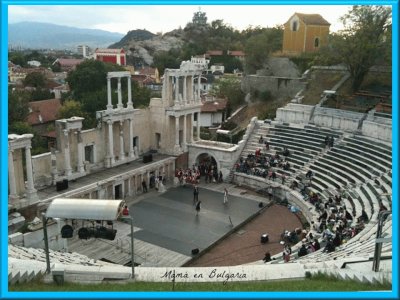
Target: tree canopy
x: 364, y: 40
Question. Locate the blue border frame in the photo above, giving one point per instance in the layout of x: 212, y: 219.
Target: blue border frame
x: 230, y: 295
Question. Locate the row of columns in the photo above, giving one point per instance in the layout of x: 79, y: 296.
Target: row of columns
x: 31, y: 192
x: 67, y: 154
x: 109, y: 97
x: 110, y: 154
x: 177, y: 128
x: 187, y: 97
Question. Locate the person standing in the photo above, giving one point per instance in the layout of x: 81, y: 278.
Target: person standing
x: 270, y: 192
x: 225, y: 195
x: 198, y: 207
x: 144, y: 186
x: 195, y: 194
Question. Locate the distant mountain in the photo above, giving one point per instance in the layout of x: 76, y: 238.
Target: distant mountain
x: 45, y: 35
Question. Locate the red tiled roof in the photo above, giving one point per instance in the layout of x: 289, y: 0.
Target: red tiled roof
x: 312, y: 19
x: 50, y: 134
x: 214, y: 52
x: 43, y: 111
x: 50, y: 84
x: 68, y: 62
x: 236, y: 53
x: 214, y: 106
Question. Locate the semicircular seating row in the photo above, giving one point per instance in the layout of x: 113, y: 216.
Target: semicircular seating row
x: 358, y: 167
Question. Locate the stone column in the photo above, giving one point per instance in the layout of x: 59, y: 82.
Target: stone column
x: 131, y: 152
x: 81, y: 168
x: 176, y: 90
x: 198, y: 126
x: 54, y: 172
x: 11, y: 175
x: 191, y: 126
x: 121, y: 141
x: 191, y: 90
x: 134, y: 183
x: 31, y: 191
x: 109, y: 102
x: 130, y: 104
x: 199, y: 88
x: 184, y: 145
x: 177, y: 146
x: 67, y: 158
x: 110, y: 143
x: 119, y: 94
x: 185, y: 100
x: 176, y: 131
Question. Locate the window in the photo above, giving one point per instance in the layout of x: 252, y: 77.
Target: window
x: 295, y: 26
x: 158, y: 140
x: 316, y: 42
x: 89, y: 154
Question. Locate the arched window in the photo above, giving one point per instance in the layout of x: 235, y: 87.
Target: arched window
x: 316, y: 42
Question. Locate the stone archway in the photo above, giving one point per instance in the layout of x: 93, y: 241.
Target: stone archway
x: 206, y: 158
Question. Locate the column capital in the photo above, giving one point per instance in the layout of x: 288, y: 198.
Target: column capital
x: 65, y: 131
x: 109, y: 122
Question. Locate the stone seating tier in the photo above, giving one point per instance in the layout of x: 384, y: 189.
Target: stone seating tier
x: 371, y: 143
x: 370, y: 149
x: 357, y: 155
x: 358, y: 166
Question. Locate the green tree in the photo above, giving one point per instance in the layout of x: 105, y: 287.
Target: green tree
x: 18, y: 106
x: 260, y: 44
x: 72, y: 108
x: 364, y: 39
x: 229, y: 87
x: 90, y: 76
x: 141, y: 95
x: 17, y: 58
x: 35, y: 79
x: 166, y: 60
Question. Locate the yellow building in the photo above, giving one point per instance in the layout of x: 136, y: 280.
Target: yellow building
x: 305, y: 33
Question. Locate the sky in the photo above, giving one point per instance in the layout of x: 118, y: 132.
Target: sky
x: 164, y: 18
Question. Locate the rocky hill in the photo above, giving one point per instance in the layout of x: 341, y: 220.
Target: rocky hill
x: 142, y: 44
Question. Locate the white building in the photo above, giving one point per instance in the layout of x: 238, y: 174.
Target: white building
x: 84, y: 50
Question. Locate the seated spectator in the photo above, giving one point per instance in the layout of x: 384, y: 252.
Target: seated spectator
x: 309, y: 174
x: 363, y: 217
x: 330, y: 246
x: 286, y: 253
x: 316, y: 245
x: 302, y: 250
x: 267, y: 257
x: 294, y: 185
x: 286, y: 151
x: 261, y: 139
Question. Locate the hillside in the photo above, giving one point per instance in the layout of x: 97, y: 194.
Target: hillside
x: 142, y: 44
x: 36, y: 35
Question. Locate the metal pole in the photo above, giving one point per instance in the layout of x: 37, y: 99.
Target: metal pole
x: 378, y: 244
x: 132, y: 250
x: 46, y: 242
